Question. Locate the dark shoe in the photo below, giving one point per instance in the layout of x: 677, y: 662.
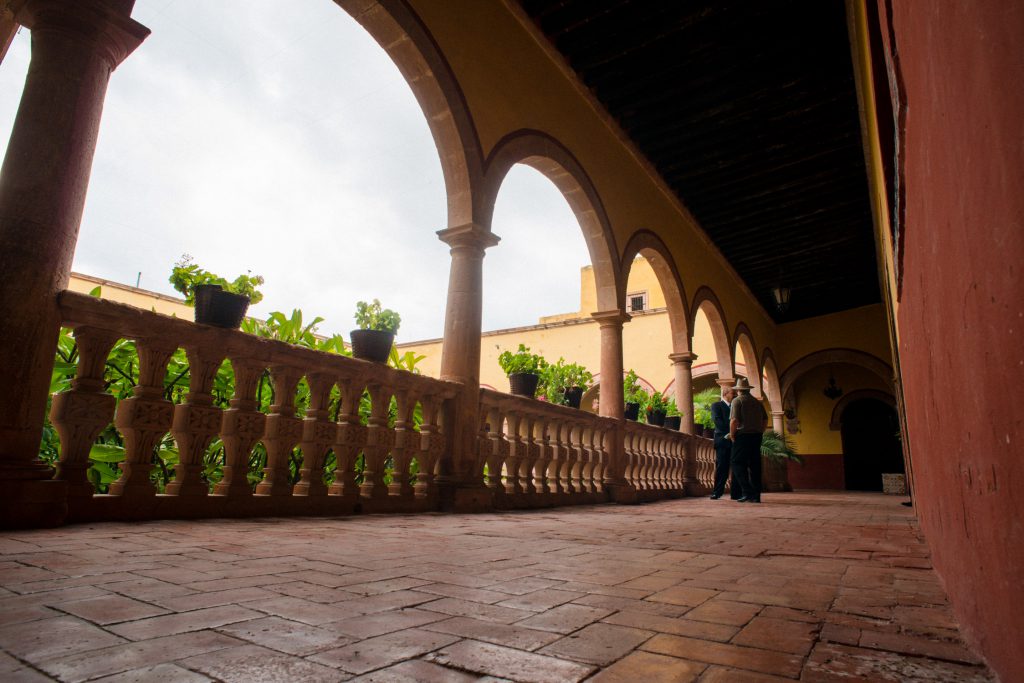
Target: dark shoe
x: 715, y: 496
x: 744, y: 499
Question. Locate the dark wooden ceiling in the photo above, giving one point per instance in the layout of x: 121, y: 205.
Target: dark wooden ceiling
x: 748, y: 110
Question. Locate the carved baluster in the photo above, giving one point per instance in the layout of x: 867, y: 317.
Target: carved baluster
x: 557, y: 455
x: 585, y: 480
x: 242, y: 426
x: 633, y: 459
x: 483, y: 449
x: 143, y: 419
x: 379, y: 441
x: 432, y: 445
x: 516, y: 457
x: 196, y: 422
x: 543, y: 440
x: 498, y: 452
x: 318, y: 435
x: 351, y: 437
x: 571, y: 458
x: 599, y: 460
x: 657, y: 462
x: 83, y: 411
x: 282, y: 433
x: 406, y: 440
x: 531, y: 452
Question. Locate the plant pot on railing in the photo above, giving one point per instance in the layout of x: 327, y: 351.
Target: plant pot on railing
x: 673, y: 422
x: 573, y: 396
x: 372, y: 345
x: 523, y: 383
x: 632, y: 411
x: 656, y: 418
x: 216, y: 307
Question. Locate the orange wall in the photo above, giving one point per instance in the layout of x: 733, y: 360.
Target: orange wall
x: 961, y: 313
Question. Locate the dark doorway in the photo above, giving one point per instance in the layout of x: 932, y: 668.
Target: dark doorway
x: 871, y: 445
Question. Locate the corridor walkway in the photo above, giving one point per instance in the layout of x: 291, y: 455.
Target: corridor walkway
x: 808, y: 586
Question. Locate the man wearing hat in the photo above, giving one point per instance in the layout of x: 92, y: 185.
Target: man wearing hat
x: 746, y: 427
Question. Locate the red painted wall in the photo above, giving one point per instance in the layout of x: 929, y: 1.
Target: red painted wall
x: 961, y: 315
x: 818, y: 472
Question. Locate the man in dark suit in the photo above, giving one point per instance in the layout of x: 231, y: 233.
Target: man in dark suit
x: 723, y: 447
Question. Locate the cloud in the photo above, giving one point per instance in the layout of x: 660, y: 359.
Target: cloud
x: 289, y: 145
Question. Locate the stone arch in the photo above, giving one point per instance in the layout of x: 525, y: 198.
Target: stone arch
x: 547, y: 155
x: 836, y: 421
x: 828, y: 356
x: 705, y: 300
x: 647, y: 244
x: 770, y: 386
x: 401, y: 33
x: 744, y: 339
x: 706, y: 369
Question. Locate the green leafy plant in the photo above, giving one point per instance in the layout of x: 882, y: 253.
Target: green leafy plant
x: 774, y: 446
x: 372, y: 317
x: 556, y: 378
x: 632, y: 392
x: 671, y: 409
x: 522, y: 361
x: 187, y: 275
x: 702, y: 407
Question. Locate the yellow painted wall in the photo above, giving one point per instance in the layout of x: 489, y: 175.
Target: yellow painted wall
x: 125, y: 294
x: 863, y: 328
x: 814, y: 409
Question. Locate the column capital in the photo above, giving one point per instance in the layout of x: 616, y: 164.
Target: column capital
x: 611, y: 318
x: 105, y: 28
x: 468, y: 236
x: 684, y: 357
x: 726, y: 382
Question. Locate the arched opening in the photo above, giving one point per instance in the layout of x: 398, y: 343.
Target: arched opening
x: 871, y: 444
x: 746, y: 354
x: 711, y: 341
x: 269, y: 145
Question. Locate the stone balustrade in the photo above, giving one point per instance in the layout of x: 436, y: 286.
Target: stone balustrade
x: 366, y: 449
x: 534, y: 454
x: 337, y: 435
x: 660, y: 462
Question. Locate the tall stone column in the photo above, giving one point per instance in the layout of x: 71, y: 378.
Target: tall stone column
x: 779, y: 421
x: 610, y: 322
x: 682, y: 365
x: 460, y: 362
x: 611, y: 402
x: 75, y: 47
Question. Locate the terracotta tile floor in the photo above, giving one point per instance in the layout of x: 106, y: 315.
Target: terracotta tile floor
x: 808, y: 586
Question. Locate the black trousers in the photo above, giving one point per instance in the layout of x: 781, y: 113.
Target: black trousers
x: 746, y: 464
x: 723, y: 465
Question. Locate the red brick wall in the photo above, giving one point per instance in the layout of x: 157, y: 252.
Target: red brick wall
x: 818, y: 472
x: 961, y: 315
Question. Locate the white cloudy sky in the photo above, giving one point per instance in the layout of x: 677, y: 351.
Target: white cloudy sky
x: 288, y: 144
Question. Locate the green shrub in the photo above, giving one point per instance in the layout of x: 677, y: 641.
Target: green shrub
x: 372, y: 317
x: 186, y: 276
x: 522, y: 361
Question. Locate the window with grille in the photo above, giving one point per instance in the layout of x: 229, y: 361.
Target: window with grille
x: 636, y: 301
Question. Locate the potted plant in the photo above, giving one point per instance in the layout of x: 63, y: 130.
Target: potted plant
x: 702, y: 410
x: 565, y: 383
x: 523, y: 369
x: 376, y: 333
x: 673, y: 418
x: 217, y: 302
x: 776, y: 448
x: 655, y: 408
x: 633, y: 395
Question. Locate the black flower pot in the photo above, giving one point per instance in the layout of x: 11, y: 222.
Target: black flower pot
x: 573, y: 396
x: 656, y: 418
x: 216, y: 307
x: 673, y: 422
x: 372, y: 345
x: 523, y: 383
x: 632, y: 411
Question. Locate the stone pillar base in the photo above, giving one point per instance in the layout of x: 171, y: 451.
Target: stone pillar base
x: 26, y: 504
x: 462, y: 499
x: 624, y: 494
